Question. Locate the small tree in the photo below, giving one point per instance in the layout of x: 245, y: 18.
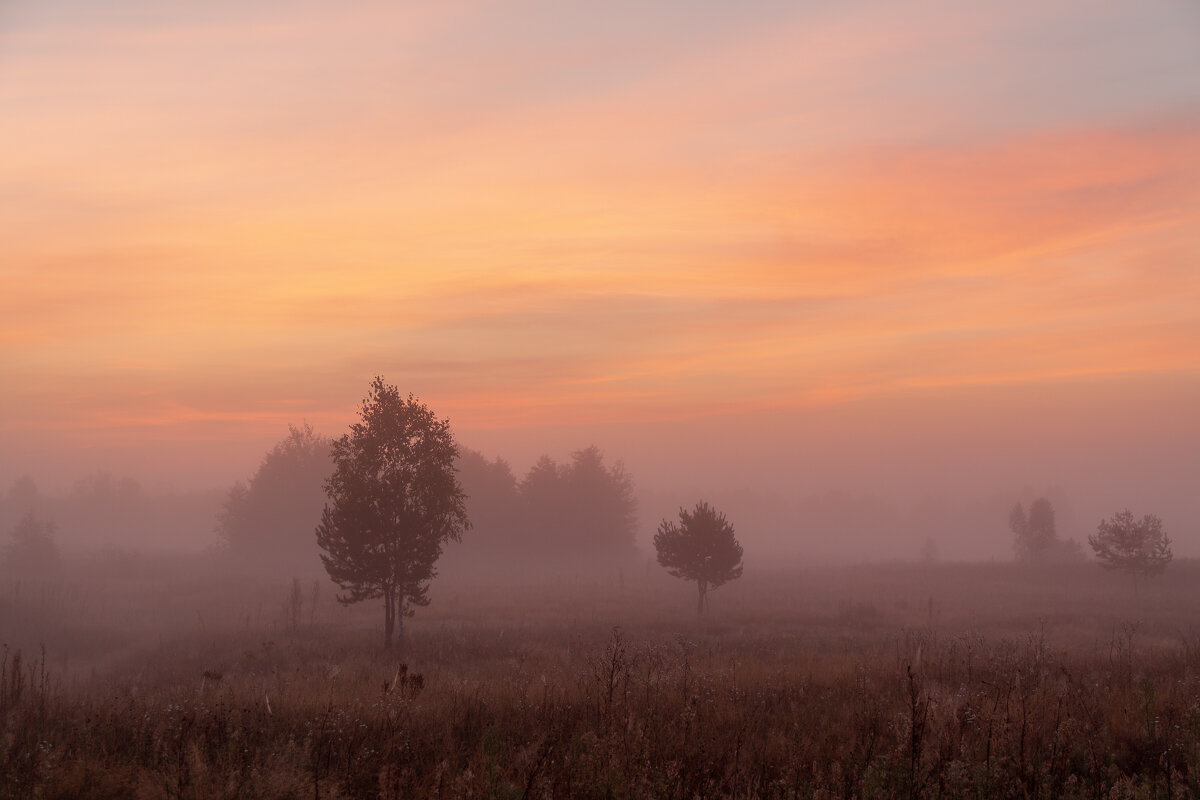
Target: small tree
x: 394, y: 501
x: 701, y: 548
x: 1139, y: 547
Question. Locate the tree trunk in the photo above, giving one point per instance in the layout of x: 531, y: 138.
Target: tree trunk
x: 389, y: 619
x: 702, y: 600
x: 400, y: 619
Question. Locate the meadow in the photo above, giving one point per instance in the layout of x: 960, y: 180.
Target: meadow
x: 159, y: 678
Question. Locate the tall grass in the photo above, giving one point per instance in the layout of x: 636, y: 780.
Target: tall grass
x: 868, y: 697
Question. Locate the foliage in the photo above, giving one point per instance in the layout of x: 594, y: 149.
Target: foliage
x: 1139, y: 547
x: 491, y: 501
x: 701, y: 548
x: 1035, y: 535
x: 394, y: 501
x: 577, y: 517
x: 32, y: 550
x: 269, y: 521
x: 584, y: 508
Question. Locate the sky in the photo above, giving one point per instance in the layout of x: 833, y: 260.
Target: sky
x: 910, y: 247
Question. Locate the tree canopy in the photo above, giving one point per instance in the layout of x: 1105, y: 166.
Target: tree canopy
x: 701, y: 548
x: 394, y: 500
x: 1138, y: 547
x: 582, y: 509
x: 269, y: 520
x: 579, y: 516
x: 1035, y: 535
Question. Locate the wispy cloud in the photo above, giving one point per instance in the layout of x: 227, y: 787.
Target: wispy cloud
x: 218, y: 218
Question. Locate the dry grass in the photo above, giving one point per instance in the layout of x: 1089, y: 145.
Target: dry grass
x: 978, y: 681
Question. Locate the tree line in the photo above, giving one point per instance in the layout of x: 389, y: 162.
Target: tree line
x: 1137, y: 547
x: 394, y: 501
x: 385, y: 499
x: 574, y: 515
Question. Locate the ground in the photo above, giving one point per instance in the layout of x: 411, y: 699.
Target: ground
x: 180, y: 679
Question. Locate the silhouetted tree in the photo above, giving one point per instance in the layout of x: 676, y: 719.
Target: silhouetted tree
x: 603, y: 507
x: 269, y: 521
x: 492, y: 501
x: 1138, y: 547
x: 582, y: 512
x: 394, y: 500
x: 545, y: 514
x: 1035, y: 537
x: 701, y: 548
x: 33, y: 550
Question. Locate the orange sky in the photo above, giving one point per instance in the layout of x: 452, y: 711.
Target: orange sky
x: 214, y: 221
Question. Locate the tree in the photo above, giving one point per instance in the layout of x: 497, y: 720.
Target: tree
x: 33, y: 550
x: 1139, y: 547
x: 1035, y: 536
x: 394, y: 500
x: 492, y: 502
x: 269, y: 520
x: 604, y: 522
x: 581, y: 513
x: 701, y: 548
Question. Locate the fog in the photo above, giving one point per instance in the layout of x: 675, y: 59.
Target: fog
x: 542, y: 399
x: 870, y: 480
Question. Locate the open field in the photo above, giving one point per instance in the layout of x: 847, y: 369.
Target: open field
x: 185, y: 681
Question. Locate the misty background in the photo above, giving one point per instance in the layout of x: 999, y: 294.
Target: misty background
x: 860, y: 275
x: 903, y: 481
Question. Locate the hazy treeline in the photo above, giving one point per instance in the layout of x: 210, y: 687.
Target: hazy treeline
x: 570, y: 515
x: 574, y: 515
x: 102, y: 511
x: 849, y: 525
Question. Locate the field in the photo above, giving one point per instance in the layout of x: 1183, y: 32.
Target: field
x: 177, y: 679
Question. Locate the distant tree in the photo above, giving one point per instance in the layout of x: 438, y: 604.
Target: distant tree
x: 603, y: 505
x: 1138, y: 547
x: 32, y: 550
x: 394, y: 501
x: 269, y: 520
x: 584, y: 512
x: 700, y: 548
x: 1035, y: 536
x: 492, y: 501
x: 544, y: 510
x: 1033, y: 533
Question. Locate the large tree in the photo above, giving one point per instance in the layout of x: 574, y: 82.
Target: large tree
x: 394, y: 501
x: 1138, y: 547
x: 700, y: 548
